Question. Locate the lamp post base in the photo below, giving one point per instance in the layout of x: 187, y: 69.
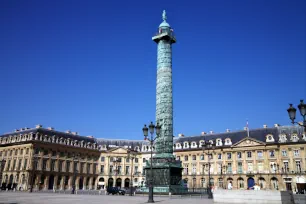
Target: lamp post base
x: 151, y: 200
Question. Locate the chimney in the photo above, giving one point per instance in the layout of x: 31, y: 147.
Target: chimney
x: 211, y: 132
x: 27, y: 128
x: 245, y: 128
x: 50, y: 128
x: 68, y: 131
x: 228, y: 130
x: 265, y: 126
x: 181, y: 135
x: 277, y: 125
x: 74, y: 133
x: 203, y: 133
x: 16, y: 130
x: 22, y: 129
x: 38, y: 126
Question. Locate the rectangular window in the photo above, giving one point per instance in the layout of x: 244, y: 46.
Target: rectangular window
x: 60, y: 166
x: 111, y: 169
x: 94, y: 168
x: 136, y: 160
x: 119, y: 169
x: 8, y: 165
x: 186, y: 169
x: 272, y: 153
x: 53, y: 153
x: 68, y: 166
x: 250, y: 166
x: 102, y: 169
x: 284, y: 153
x: 88, y: 168
x: 298, y: 166
x: 144, y: 160
x: 21, y: 152
x: 16, y: 151
x: 136, y: 170
x: 296, y: 152
x: 82, y: 167
x: 202, y: 157
x: 14, y: 164
x: 178, y: 158
x: 229, y: 167
x: 194, y: 169
x: 259, y: 154
x: 286, y: 167
x: 0, y: 154
x: 127, y: 170
x: 25, y: 164
x: 127, y: 160
x: 219, y: 156
x: 194, y: 157
x: 249, y: 154
x: 19, y: 164
x: 52, y: 165
x: 239, y: 155
x: 260, y: 166
x: 102, y: 159
x: 27, y: 151
x: 229, y: 155
x: 240, y: 167
x: 44, y: 164
x: 186, y: 158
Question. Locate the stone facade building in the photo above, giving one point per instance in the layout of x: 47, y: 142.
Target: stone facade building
x: 275, y: 158
x: 47, y: 159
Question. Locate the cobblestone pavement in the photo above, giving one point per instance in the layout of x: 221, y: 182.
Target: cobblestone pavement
x: 55, y: 198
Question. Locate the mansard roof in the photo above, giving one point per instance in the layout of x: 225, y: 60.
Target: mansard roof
x: 49, y: 132
x: 258, y: 134
x: 121, y: 142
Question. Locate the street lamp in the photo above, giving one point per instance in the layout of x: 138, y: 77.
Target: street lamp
x: 131, y: 181
x: 208, y: 146
x: 151, y: 140
x: 292, y: 113
x: 75, y: 163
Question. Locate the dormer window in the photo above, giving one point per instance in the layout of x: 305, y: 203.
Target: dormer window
x: 282, y: 138
x: 201, y: 143
x: 194, y: 144
x: 178, y: 145
x: 304, y: 137
x: 269, y: 138
x: 186, y: 145
x: 294, y: 138
x: 228, y: 141
x: 218, y: 142
x: 211, y: 141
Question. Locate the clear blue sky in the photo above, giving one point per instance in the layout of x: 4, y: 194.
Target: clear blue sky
x: 90, y: 66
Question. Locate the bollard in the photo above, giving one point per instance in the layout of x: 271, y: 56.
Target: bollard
x: 169, y: 194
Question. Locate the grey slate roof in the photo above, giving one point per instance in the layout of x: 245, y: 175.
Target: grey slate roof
x: 122, y: 142
x: 51, y: 133
x: 259, y: 134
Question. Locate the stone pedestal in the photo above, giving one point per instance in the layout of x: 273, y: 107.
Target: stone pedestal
x: 167, y: 175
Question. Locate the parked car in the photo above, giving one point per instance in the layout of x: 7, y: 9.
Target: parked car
x: 115, y: 190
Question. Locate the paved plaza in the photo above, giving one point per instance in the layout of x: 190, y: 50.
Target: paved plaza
x: 55, y: 198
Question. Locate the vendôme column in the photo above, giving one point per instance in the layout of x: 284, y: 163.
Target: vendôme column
x: 164, y: 100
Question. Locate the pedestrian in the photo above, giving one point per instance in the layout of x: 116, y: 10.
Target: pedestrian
x: 230, y: 186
